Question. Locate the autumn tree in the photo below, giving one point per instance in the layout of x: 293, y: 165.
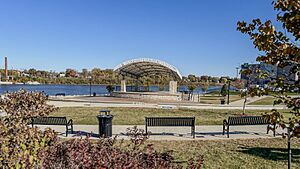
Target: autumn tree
x: 280, y: 47
x: 191, y: 88
x: 71, y: 73
x: 205, y: 87
x: 85, y: 73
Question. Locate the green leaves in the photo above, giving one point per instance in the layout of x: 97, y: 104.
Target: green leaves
x: 280, y: 50
x: 20, y: 145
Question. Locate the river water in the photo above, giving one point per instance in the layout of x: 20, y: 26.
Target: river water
x: 85, y: 89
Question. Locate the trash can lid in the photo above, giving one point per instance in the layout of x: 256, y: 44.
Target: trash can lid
x: 105, y: 112
x: 102, y: 116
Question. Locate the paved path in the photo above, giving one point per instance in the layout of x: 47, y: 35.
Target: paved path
x: 204, y: 132
x: 160, y: 105
x: 249, y: 100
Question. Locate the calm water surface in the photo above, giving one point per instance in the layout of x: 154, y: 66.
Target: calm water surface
x: 85, y: 89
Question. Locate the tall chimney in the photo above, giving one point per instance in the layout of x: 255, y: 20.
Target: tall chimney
x: 6, y: 70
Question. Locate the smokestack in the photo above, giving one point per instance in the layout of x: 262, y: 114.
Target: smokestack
x: 6, y: 70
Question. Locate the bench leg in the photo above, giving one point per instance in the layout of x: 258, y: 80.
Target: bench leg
x: 227, y: 131
x: 67, y: 131
x: 146, y: 129
x: 72, y: 131
x: 270, y: 128
x: 193, y: 131
x: 223, y: 129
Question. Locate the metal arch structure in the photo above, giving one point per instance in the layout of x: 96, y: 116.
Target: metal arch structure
x: 136, y: 68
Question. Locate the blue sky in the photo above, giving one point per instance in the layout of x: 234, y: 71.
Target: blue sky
x: 197, y: 36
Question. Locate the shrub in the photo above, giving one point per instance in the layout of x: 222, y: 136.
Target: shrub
x: 224, y: 91
x: 109, y: 153
x: 110, y: 88
x: 20, y: 145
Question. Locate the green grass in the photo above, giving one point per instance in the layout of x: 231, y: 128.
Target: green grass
x: 269, y: 100
x: 136, y: 116
x: 231, y: 92
x: 264, y: 101
x: 215, y: 99
x: 235, y: 154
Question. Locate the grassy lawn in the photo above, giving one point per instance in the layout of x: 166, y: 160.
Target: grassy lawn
x: 215, y: 99
x: 136, y: 116
x: 269, y: 100
x: 264, y: 101
x: 235, y: 154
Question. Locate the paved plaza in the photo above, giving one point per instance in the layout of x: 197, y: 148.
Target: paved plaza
x: 203, y: 132
x: 125, y: 102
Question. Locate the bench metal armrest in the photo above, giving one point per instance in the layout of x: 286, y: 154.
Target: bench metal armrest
x: 70, y: 122
x: 225, y: 123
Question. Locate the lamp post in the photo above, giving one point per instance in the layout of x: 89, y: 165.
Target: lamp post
x: 229, y: 80
x: 90, y: 79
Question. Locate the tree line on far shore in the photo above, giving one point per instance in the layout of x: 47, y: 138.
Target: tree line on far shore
x: 109, y: 77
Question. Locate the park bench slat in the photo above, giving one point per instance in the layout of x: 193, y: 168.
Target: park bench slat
x: 246, y: 120
x: 53, y: 121
x: 171, y: 121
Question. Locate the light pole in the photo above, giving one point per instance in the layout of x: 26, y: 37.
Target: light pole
x: 229, y: 80
x: 237, y: 72
x: 90, y: 79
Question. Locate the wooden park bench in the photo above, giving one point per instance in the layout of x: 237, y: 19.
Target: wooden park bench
x: 171, y: 121
x: 246, y: 120
x: 60, y: 94
x: 53, y: 121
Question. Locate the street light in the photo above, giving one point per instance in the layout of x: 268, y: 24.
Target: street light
x: 229, y: 80
x: 90, y: 79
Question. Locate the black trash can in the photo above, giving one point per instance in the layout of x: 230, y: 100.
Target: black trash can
x: 222, y: 101
x: 105, y: 123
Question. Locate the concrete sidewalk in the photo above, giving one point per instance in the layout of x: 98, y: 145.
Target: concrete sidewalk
x: 161, y: 105
x: 249, y: 100
x: 205, y: 132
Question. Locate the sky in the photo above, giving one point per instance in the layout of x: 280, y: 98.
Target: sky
x: 196, y: 36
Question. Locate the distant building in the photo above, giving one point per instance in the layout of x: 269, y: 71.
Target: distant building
x: 25, y: 74
x: 62, y: 75
x: 273, y: 72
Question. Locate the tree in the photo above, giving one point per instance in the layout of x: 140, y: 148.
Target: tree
x: 204, y: 78
x: 70, y: 73
x: 191, y: 88
x: 110, y: 88
x: 223, y: 91
x: 204, y: 87
x: 32, y: 72
x: 238, y: 83
x: 85, y: 73
x: 223, y: 80
x: 215, y: 79
x: 192, y: 78
x: 279, y: 47
x: 96, y: 72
